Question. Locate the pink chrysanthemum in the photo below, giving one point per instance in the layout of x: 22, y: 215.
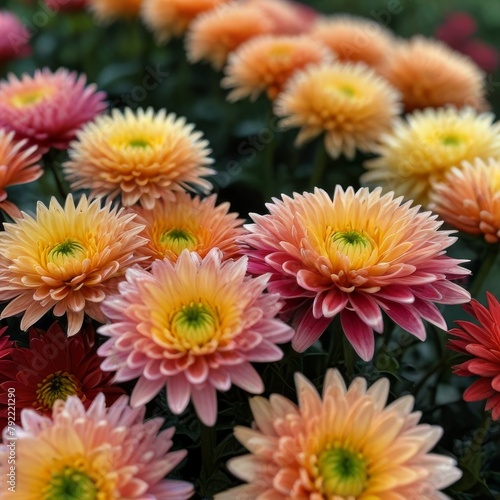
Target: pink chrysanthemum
x: 188, y: 223
x: 54, y: 367
x: 65, y: 259
x: 481, y: 343
x: 357, y: 255
x: 14, y: 39
x: 346, y: 444
x: 18, y: 165
x: 192, y: 327
x: 48, y: 108
x: 99, y: 453
x: 66, y: 5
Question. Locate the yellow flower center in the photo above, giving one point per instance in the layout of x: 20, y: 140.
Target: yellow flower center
x: 60, y: 253
x: 344, y: 473
x: 195, y: 324
x: 77, y: 478
x: 139, y: 143
x: 357, y: 246
x: 347, y: 90
x: 56, y: 386
x: 451, y: 140
x: 29, y: 98
x: 177, y: 240
x: 280, y: 51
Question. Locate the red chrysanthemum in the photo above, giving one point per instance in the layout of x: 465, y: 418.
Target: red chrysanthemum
x: 6, y: 345
x: 482, y: 344
x: 48, y: 108
x: 54, y: 367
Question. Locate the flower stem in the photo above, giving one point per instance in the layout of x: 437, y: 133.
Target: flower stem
x: 488, y: 261
x: 208, y: 442
x: 51, y: 163
x: 320, y: 163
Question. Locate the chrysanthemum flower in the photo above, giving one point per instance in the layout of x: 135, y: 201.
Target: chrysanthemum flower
x: 167, y: 18
x: 355, y: 39
x: 429, y: 74
x: 481, y: 343
x: 192, y: 327
x: 55, y: 367
x: 345, y: 444
x: 214, y: 34
x: 14, y: 42
x: 359, y: 255
x: 67, y: 258
x: 266, y: 63
x: 349, y: 102
x: 6, y: 345
x: 48, y: 108
x: 18, y: 165
x: 419, y: 152
x: 140, y: 156
x: 188, y: 223
x: 99, y: 453
x: 109, y: 10
x: 469, y: 199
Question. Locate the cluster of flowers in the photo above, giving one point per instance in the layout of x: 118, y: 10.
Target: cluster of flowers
x: 188, y: 297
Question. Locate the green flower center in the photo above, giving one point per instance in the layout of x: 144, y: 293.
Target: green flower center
x: 68, y: 248
x: 344, y: 473
x: 195, y: 324
x: 139, y: 143
x: 347, y: 90
x: 451, y: 140
x: 56, y: 386
x: 70, y: 484
x: 178, y: 240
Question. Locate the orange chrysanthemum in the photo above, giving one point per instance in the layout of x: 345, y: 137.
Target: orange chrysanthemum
x: 213, y: 35
x: 429, y: 74
x: 108, y: 10
x: 18, y: 165
x: 167, y: 18
x: 140, y: 156
x: 266, y: 63
x: 355, y: 39
x: 65, y: 259
x: 419, y: 152
x: 346, y: 444
x: 188, y: 223
x: 469, y: 198
x: 349, y: 102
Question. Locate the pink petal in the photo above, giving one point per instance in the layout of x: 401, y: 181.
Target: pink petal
x: 145, y: 390
x: 359, y: 334
x: 407, y: 318
x: 308, y: 329
x: 178, y: 393
x: 368, y: 310
x: 205, y: 403
x: 246, y: 377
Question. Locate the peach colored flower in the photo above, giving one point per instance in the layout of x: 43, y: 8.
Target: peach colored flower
x: 469, y: 198
x: 168, y: 18
x: 423, y: 148
x: 18, y: 165
x: 188, y: 223
x: 430, y: 74
x: 344, y: 444
x: 65, y: 259
x: 48, y: 108
x: 357, y: 255
x: 348, y: 102
x: 140, y: 156
x: 14, y: 42
x: 109, y: 10
x: 266, y: 63
x: 355, y: 39
x: 99, y: 453
x: 481, y: 343
x: 193, y: 327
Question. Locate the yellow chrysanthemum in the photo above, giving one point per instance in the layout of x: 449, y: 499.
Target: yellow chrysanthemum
x: 430, y: 74
x: 140, y: 156
x: 469, y: 198
x: 422, y: 149
x: 349, y: 102
x: 188, y: 223
x: 344, y: 445
x: 267, y: 62
x: 65, y: 259
x: 168, y: 18
x: 108, y: 10
x: 355, y: 39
